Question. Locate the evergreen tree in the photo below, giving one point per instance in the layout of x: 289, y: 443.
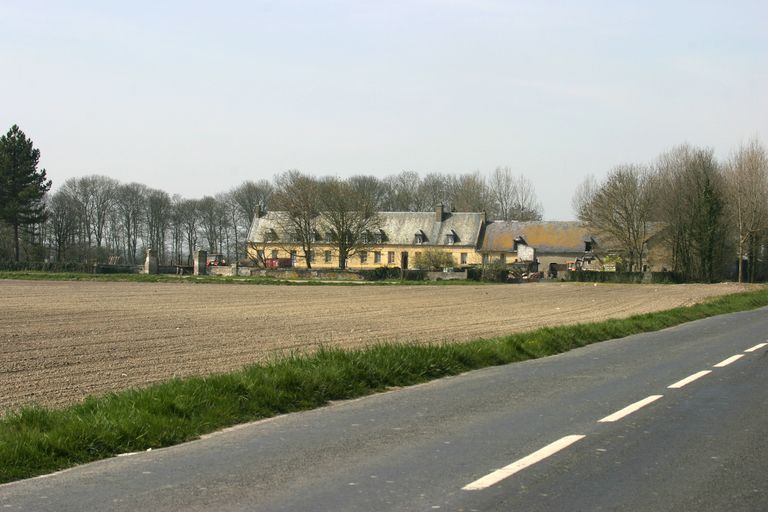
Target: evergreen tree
x: 22, y: 185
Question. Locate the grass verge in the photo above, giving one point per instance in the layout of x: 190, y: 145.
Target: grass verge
x: 36, y: 441
x: 35, y: 275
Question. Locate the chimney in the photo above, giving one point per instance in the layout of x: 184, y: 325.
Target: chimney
x: 439, y: 213
x: 257, y: 212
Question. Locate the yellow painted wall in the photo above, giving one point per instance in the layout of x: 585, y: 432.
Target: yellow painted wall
x: 354, y: 263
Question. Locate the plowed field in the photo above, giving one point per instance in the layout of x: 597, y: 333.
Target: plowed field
x: 61, y: 341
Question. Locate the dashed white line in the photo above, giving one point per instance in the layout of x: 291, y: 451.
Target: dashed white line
x: 507, y: 471
x: 689, y: 379
x: 551, y: 449
x: 728, y: 361
x: 630, y: 409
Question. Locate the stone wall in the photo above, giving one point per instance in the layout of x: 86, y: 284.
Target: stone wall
x: 447, y: 276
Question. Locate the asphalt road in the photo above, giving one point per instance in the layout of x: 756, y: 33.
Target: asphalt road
x: 558, y: 428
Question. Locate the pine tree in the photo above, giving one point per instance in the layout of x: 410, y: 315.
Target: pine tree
x: 22, y: 185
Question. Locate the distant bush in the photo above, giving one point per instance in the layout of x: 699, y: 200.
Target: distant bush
x: 625, y: 277
x: 495, y: 272
x: 474, y: 273
x: 381, y: 274
x: 433, y: 259
x: 666, y: 278
x: 391, y: 273
x: 415, y: 275
x: 43, y: 266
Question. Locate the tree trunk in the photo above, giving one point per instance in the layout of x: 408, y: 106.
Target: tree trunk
x: 16, y: 240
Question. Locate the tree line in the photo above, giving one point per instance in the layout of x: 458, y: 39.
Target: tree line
x: 711, y: 215
x: 99, y: 219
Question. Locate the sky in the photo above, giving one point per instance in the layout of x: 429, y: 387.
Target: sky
x: 196, y: 97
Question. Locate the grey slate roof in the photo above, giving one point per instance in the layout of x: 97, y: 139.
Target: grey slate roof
x: 399, y: 228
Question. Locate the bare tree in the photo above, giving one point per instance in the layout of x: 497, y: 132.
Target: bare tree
x: 469, y: 193
x: 583, y: 194
x: 401, y: 192
x: 692, y: 205
x: 621, y: 208
x: 130, y: 201
x: 157, y: 213
x: 250, y: 195
x: 369, y: 186
x: 212, y: 217
x: 350, y: 215
x: 188, y: 214
x: 62, y: 219
x: 513, y: 197
x: 434, y: 189
x: 746, y: 177
x: 298, y: 196
x: 95, y: 197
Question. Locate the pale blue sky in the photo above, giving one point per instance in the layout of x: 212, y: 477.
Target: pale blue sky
x: 196, y: 97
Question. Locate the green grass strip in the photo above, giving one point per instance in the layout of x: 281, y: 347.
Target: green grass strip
x: 36, y: 441
x: 36, y: 275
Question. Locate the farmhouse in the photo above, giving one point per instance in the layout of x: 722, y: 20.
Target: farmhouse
x: 562, y: 245
x: 397, y: 239
x: 553, y: 244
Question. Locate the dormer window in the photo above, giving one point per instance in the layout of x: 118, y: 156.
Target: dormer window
x: 588, y: 245
x: 379, y: 237
x: 518, y: 241
x: 451, y: 238
x: 420, y: 237
x: 328, y: 237
x: 270, y: 235
x: 365, y: 237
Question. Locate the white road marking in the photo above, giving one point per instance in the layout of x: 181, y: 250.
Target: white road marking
x: 728, y: 361
x: 688, y: 380
x: 630, y: 409
x: 507, y: 471
x: 756, y: 347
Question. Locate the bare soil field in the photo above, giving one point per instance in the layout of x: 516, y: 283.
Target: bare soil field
x: 62, y: 341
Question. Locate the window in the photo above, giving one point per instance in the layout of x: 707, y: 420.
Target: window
x: 363, y: 257
x: 451, y: 238
x: 293, y: 257
x: 328, y: 237
x: 311, y: 256
x: 420, y: 238
x: 588, y: 246
x: 379, y: 237
x: 260, y: 254
x: 463, y: 258
x: 503, y: 257
x: 391, y: 257
x: 274, y: 254
x: 364, y: 238
x: 295, y: 236
x: 327, y: 256
x: 270, y: 235
x: 377, y: 257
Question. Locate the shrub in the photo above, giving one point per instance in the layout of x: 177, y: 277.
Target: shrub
x: 381, y: 274
x: 495, y: 272
x: 433, y: 259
